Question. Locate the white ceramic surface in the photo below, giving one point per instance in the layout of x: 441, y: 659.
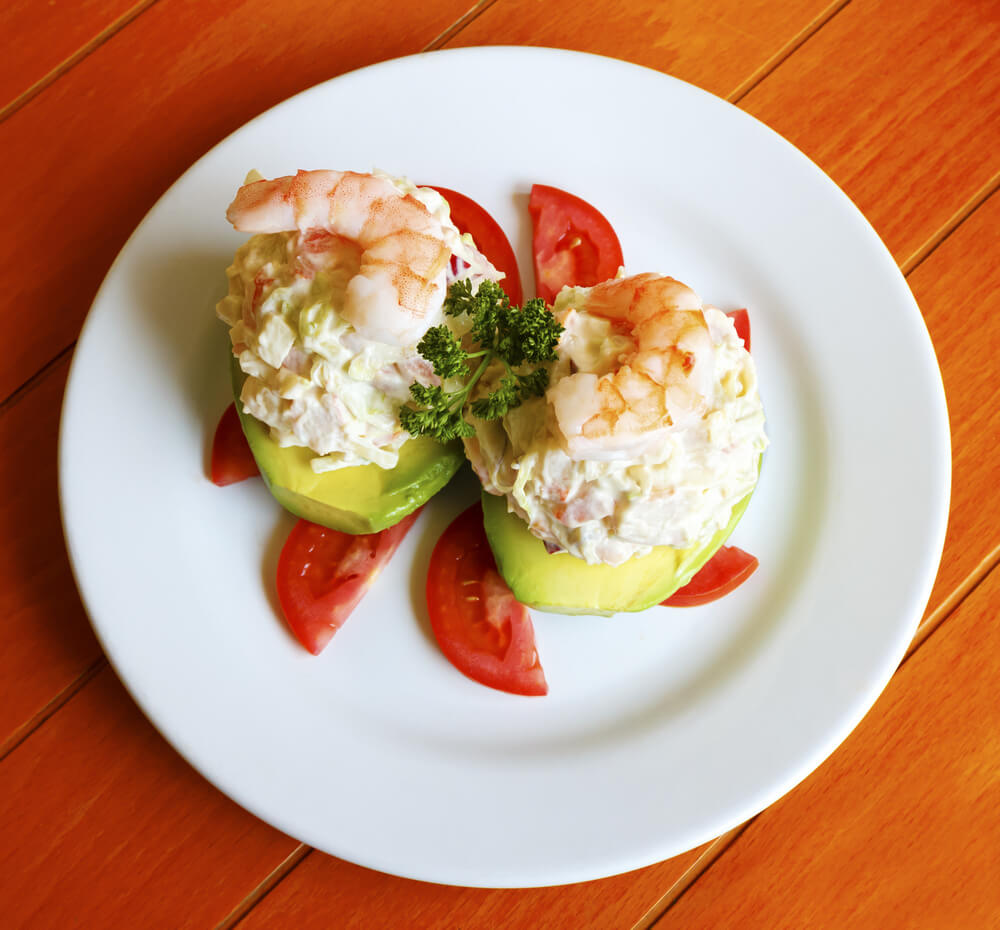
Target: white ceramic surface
x: 661, y: 730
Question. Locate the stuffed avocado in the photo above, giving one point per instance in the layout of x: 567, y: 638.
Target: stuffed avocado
x: 611, y: 490
x: 327, y: 301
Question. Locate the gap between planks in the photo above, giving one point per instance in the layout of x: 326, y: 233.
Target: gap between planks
x: 265, y: 887
x: 456, y: 27
x: 934, y: 619
x: 792, y: 45
x: 55, y: 703
x: 951, y: 224
x: 694, y: 871
x: 59, y: 70
x: 26, y: 387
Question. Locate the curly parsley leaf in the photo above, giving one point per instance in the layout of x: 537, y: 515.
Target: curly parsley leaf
x: 512, y: 335
x: 435, y: 416
x: 442, y: 349
x: 495, y: 404
x: 534, y: 383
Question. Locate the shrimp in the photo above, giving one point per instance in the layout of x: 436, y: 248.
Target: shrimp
x: 664, y: 378
x: 399, y: 288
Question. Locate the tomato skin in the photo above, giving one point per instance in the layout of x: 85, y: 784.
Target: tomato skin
x: 722, y: 573
x: 741, y: 320
x: 232, y: 459
x: 479, y: 625
x: 490, y: 239
x: 324, y: 573
x: 572, y: 242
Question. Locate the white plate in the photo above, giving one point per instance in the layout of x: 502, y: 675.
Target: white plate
x: 661, y: 730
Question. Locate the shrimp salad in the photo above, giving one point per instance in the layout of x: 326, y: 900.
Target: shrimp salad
x: 328, y: 300
x: 650, y: 431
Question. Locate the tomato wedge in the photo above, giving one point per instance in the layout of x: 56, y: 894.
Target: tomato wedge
x: 572, y: 242
x: 722, y: 573
x: 482, y: 630
x: 741, y: 320
x: 232, y: 459
x: 471, y: 218
x: 324, y: 573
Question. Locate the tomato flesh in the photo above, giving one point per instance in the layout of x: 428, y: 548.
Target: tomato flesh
x: 741, y: 320
x: 324, y: 573
x: 479, y: 625
x: 572, y: 242
x: 490, y: 239
x: 722, y: 573
x: 232, y: 459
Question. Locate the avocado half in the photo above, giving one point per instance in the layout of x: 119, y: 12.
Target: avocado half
x: 562, y: 583
x: 356, y: 499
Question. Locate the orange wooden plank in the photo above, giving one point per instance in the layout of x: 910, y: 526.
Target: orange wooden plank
x: 94, y: 150
x: 47, y: 641
x: 47, y: 34
x: 323, y: 892
x: 105, y: 826
x: 900, y: 105
x: 900, y: 828
x: 958, y: 289
x: 718, y: 44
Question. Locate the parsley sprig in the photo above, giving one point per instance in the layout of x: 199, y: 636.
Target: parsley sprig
x: 515, y: 336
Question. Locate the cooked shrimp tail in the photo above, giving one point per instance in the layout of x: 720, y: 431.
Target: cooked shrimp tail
x: 663, y: 378
x: 399, y: 287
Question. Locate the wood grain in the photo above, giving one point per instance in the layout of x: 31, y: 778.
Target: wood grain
x: 94, y: 151
x: 719, y: 45
x: 958, y: 289
x: 45, y: 35
x: 104, y: 825
x: 324, y: 892
x: 47, y: 640
x: 900, y: 827
x: 904, y: 117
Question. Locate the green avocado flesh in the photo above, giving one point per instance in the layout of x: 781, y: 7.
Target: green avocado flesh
x: 561, y: 583
x: 357, y: 499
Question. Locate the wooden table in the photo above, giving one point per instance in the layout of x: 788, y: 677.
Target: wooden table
x: 103, y: 103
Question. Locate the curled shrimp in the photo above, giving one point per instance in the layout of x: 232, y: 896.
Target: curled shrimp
x: 399, y: 288
x: 664, y: 376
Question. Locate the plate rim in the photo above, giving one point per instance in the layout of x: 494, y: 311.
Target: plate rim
x: 562, y: 876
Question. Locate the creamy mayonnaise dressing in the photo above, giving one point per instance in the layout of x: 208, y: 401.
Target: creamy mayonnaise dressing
x: 311, y: 376
x: 675, y: 491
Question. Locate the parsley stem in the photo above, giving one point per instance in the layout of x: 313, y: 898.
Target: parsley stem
x: 463, y: 394
x: 456, y: 399
x: 479, y: 371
